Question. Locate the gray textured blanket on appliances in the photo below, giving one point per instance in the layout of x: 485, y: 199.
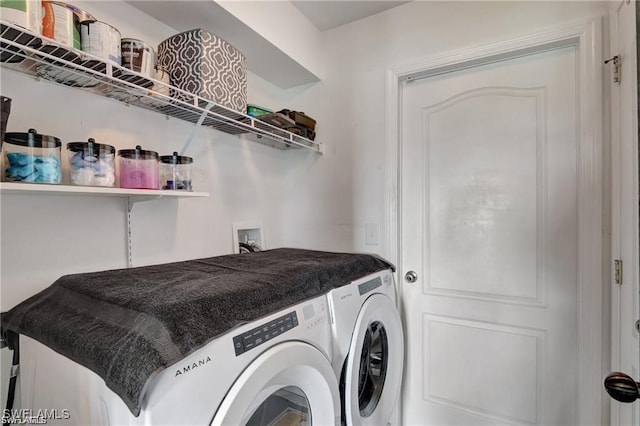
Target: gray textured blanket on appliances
x: 127, y: 325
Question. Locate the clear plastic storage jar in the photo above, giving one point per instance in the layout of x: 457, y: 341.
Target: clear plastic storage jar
x: 30, y: 157
x: 138, y: 168
x: 175, y: 172
x: 91, y: 163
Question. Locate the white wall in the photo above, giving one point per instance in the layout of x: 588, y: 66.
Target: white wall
x: 346, y: 189
x: 44, y: 237
x: 303, y: 199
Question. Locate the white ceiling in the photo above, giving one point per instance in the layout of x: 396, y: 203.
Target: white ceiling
x: 327, y: 14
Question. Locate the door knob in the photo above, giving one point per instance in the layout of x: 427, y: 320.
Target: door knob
x: 411, y: 277
x: 622, y: 387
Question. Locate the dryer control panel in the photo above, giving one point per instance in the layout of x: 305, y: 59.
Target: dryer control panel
x: 257, y: 336
x: 368, y: 286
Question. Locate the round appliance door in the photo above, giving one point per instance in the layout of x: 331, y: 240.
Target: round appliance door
x: 291, y: 383
x: 373, y: 370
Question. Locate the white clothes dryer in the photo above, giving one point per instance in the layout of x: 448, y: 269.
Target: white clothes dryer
x: 275, y: 370
x: 368, y: 348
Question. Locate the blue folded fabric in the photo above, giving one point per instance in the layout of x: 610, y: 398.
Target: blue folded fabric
x: 33, y: 168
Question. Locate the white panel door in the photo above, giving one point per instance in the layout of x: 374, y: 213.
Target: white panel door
x: 490, y: 226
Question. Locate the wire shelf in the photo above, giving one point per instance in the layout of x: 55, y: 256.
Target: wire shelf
x: 33, y: 54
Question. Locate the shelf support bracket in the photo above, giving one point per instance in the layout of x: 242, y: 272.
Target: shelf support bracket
x: 195, y: 128
x: 132, y: 200
x: 130, y: 203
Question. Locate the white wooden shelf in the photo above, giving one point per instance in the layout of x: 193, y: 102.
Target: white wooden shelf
x: 30, y: 53
x: 94, y: 191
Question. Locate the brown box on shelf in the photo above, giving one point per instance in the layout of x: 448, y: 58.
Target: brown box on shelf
x: 301, y: 119
x: 202, y: 63
x: 292, y: 121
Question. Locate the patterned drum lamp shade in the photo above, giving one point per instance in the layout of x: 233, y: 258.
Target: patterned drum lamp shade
x: 202, y: 63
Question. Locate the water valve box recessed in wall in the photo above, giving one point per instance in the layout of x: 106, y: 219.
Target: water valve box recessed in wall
x: 248, y: 237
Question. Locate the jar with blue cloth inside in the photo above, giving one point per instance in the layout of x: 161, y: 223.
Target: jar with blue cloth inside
x: 91, y: 163
x: 31, y: 157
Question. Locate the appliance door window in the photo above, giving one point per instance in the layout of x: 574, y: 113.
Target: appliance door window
x: 373, y: 368
x: 290, y: 383
x: 286, y: 406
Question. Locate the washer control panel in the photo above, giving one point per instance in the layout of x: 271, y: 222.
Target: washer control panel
x: 255, y: 337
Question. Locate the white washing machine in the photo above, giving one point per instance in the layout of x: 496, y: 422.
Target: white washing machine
x: 272, y: 371
x: 368, y: 348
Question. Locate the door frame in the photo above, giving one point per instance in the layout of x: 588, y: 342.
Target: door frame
x: 624, y: 215
x: 586, y: 37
